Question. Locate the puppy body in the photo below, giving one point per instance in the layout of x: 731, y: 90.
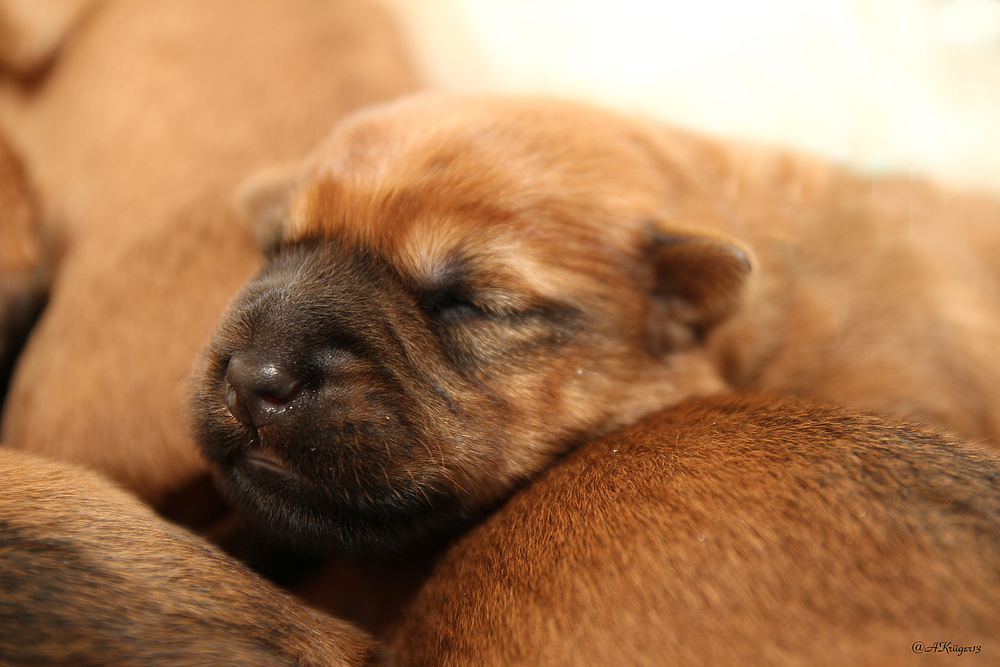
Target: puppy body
x: 135, y: 138
x: 467, y: 288
x: 879, y: 294
x: 736, y: 531
x: 91, y: 576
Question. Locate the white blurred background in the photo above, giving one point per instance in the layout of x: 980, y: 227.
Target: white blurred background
x: 901, y: 85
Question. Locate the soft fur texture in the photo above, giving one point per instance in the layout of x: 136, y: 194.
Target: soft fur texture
x: 90, y: 576
x: 730, y: 531
x: 461, y: 290
x: 136, y: 137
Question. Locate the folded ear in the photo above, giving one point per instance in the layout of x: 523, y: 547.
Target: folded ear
x: 31, y: 31
x: 263, y: 200
x: 698, y: 281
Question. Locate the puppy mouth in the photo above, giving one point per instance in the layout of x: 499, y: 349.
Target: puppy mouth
x: 343, y: 499
x: 263, y: 458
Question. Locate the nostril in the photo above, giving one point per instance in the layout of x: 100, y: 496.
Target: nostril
x: 258, y: 392
x: 283, y: 399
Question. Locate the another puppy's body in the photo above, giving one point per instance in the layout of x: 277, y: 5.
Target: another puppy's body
x: 730, y: 531
x: 877, y: 293
x: 89, y: 576
x: 468, y: 288
x: 136, y: 138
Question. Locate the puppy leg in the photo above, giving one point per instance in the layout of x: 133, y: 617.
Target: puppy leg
x: 90, y: 576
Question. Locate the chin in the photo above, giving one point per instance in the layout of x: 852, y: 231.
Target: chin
x: 324, y: 518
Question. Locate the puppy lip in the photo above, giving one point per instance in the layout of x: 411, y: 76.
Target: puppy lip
x: 264, y: 458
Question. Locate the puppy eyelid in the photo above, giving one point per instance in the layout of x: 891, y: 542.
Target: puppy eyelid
x: 459, y: 310
x: 453, y: 306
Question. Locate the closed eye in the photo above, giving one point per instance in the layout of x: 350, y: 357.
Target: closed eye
x: 456, y: 310
x: 447, y: 306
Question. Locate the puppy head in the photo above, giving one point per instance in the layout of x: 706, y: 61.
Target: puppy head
x: 461, y: 291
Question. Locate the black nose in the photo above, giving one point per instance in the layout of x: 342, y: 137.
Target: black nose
x: 259, y: 392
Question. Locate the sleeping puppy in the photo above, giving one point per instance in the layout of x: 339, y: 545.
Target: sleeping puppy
x: 90, y: 576
x: 135, y: 136
x: 730, y: 531
x: 462, y: 290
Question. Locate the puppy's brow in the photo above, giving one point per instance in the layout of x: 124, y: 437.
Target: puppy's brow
x: 444, y: 284
x: 445, y: 273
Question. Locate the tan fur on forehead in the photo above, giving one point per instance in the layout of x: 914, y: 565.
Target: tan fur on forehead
x: 520, y: 154
x: 494, y: 258
x: 423, y: 180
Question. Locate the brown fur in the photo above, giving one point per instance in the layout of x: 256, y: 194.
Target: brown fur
x: 90, y: 576
x: 466, y: 288
x: 730, y: 531
x: 136, y: 137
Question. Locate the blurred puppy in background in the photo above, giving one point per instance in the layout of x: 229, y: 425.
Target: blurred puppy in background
x: 136, y: 121
x: 461, y: 290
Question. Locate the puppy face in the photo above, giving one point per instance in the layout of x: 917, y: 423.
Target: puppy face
x: 463, y: 291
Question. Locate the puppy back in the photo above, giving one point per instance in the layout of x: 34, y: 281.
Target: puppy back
x: 729, y: 531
